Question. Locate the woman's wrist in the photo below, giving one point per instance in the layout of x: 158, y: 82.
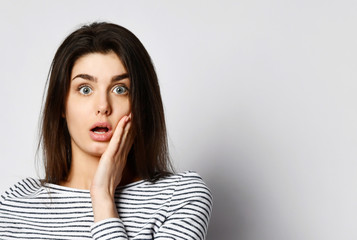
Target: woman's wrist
x: 103, y: 206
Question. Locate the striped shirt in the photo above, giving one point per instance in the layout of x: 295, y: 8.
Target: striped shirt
x: 175, y: 207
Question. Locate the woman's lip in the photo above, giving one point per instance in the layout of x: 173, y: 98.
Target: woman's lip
x: 101, y: 137
x: 101, y: 124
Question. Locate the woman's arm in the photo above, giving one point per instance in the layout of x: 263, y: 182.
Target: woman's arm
x: 110, y: 171
x: 187, y: 214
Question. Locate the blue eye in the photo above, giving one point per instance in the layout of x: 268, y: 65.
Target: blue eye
x: 85, y: 90
x: 120, y: 90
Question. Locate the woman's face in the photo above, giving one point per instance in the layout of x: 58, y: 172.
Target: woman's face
x: 97, y: 99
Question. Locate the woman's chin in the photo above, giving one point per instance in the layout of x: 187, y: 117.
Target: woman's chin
x: 99, y: 149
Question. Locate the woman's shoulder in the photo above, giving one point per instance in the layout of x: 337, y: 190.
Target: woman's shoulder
x: 191, y: 180
x: 186, y: 178
x: 22, y: 189
x: 175, y: 183
x: 190, y: 194
x: 187, y: 184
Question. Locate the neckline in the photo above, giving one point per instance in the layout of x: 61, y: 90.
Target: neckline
x: 60, y: 188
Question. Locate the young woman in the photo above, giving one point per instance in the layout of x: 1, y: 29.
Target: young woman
x: 108, y: 174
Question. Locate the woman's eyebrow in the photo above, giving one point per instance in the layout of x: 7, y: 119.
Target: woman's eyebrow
x: 94, y: 79
x: 120, y: 77
x: 85, y: 76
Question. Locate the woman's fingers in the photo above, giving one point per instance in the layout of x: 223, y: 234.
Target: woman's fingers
x: 126, y: 140
x: 119, y: 135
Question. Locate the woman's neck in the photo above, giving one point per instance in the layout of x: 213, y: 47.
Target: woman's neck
x: 82, y: 171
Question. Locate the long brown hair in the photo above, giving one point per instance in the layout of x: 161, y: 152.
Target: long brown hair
x: 148, y: 157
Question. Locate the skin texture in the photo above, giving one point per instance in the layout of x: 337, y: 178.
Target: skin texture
x: 99, y: 94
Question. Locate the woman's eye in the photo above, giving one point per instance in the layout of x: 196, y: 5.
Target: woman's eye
x: 85, y: 90
x: 120, y: 90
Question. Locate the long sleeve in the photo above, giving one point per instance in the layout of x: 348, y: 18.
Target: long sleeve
x: 190, y: 211
x: 111, y: 228
x: 187, y: 215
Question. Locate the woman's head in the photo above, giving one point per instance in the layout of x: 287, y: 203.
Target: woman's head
x: 148, y: 157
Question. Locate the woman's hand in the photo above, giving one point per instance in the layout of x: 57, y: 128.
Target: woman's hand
x: 110, y: 171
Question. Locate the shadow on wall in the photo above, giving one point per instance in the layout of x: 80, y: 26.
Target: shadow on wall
x: 230, y: 218
x: 226, y: 221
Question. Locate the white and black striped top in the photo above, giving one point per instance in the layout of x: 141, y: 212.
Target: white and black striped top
x: 176, y: 207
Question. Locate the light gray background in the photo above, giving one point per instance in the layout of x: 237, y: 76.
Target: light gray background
x: 260, y: 99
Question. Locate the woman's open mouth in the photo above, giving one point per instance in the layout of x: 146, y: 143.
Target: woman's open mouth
x: 101, y: 132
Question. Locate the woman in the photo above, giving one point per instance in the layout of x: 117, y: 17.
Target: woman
x: 107, y: 169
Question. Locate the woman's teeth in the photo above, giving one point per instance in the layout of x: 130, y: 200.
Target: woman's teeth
x: 100, y: 130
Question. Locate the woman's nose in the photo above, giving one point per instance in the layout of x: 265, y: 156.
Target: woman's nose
x: 103, y: 107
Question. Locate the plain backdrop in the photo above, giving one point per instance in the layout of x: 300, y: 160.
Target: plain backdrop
x: 260, y: 100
